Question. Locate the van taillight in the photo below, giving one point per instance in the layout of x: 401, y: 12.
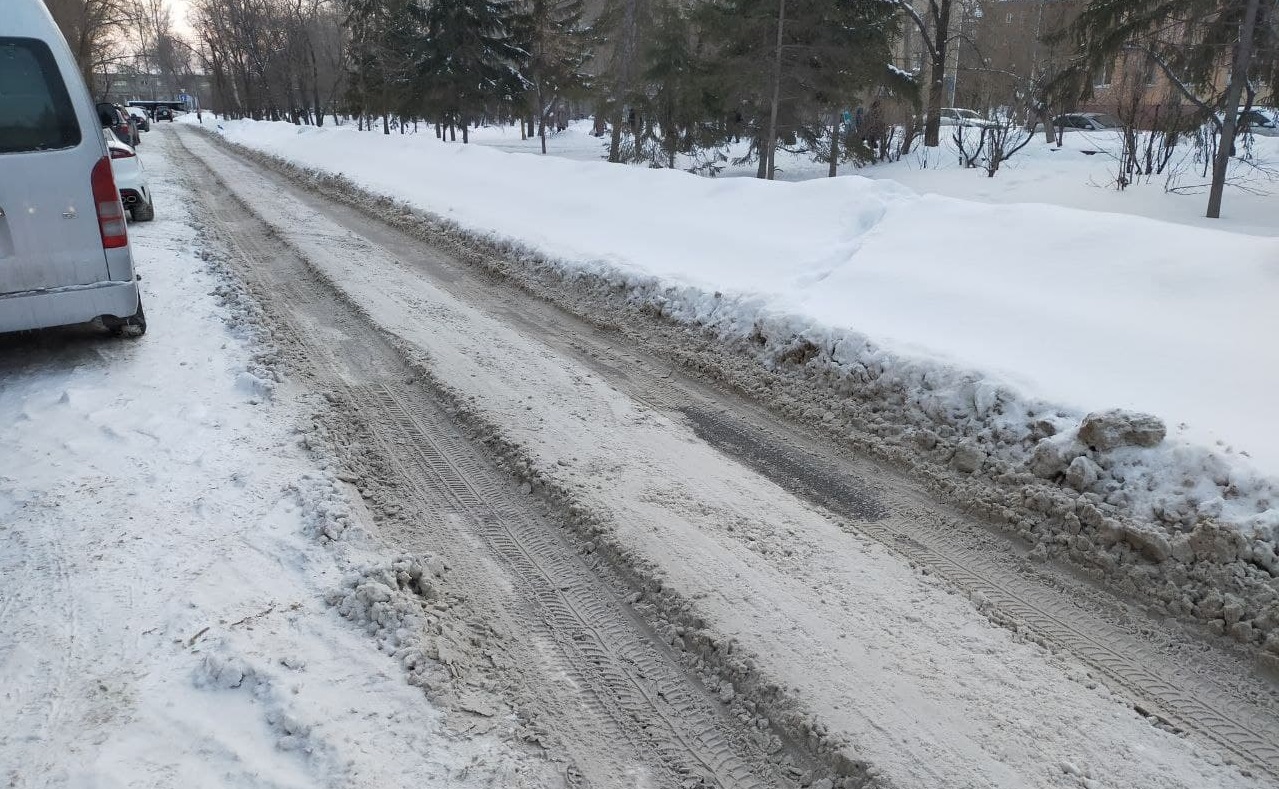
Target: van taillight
x: 110, y: 210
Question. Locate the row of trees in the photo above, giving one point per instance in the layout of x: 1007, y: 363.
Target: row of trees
x: 275, y: 59
x: 674, y: 80
x: 670, y: 77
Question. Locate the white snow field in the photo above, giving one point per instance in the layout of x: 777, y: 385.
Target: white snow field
x: 1005, y: 315
x: 162, y: 614
x: 1079, y: 174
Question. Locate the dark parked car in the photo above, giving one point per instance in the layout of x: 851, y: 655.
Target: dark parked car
x: 164, y: 114
x: 114, y: 117
x: 1088, y: 121
x: 1261, y: 121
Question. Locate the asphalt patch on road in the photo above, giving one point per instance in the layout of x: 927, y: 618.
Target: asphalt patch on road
x: 789, y: 468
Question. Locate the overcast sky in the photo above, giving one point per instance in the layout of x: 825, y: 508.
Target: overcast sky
x: 180, y: 16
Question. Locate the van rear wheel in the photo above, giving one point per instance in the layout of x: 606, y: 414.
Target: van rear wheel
x: 143, y: 212
x: 133, y: 326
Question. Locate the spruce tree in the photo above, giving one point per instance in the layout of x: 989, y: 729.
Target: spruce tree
x: 557, y: 42
x: 384, y: 52
x: 471, y: 60
x: 673, y: 93
x: 623, y: 30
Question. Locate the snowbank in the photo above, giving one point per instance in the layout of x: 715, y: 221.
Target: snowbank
x: 990, y: 331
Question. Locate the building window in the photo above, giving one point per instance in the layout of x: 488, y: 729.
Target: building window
x: 1102, y: 77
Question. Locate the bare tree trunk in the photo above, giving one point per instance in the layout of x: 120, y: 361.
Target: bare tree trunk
x: 771, y: 152
x: 1242, y: 59
x: 937, y: 74
x: 315, y: 86
x: 834, y: 149
x: 629, y: 47
x: 541, y: 116
x: 615, y: 137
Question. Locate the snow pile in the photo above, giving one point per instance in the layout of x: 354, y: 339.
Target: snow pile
x: 399, y: 603
x: 979, y: 337
x: 326, y: 512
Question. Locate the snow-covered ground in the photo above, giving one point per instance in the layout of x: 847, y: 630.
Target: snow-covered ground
x: 162, y: 588
x: 888, y: 660
x: 997, y: 317
x: 1079, y: 174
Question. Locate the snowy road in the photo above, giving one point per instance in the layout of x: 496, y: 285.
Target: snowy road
x: 797, y: 581
x: 162, y: 595
x: 389, y: 519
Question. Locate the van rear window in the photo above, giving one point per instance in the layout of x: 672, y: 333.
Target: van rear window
x: 36, y: 113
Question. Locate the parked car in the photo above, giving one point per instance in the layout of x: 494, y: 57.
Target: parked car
x: 140, y: 115
x: 1087, y: 121
x: 130, y: 178
x: 955, y: 116
x: 164, y: 114
x: 64, y: 244
x: 117, y: 120
x: 1259, y: 121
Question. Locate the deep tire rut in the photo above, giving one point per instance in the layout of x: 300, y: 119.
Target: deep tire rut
x: 612, y: 696
x: 644, y: 684
x: 1176, y: 698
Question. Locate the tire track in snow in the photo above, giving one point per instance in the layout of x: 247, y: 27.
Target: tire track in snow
x: 634, y: 690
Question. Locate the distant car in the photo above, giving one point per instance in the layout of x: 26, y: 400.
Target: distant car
x: 130, y: 178
x: 164, y: 114
x: 1259, y: 121
x: 1087, y: 121
x: 64, y: 245
x: 955, y: 116
x: 140, y: 115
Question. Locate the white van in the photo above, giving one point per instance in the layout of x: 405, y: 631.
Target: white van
x: 64, y: 248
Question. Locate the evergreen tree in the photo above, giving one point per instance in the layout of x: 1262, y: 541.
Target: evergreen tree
x: 787, y: 68
x: 673, y: 94
x: 557, y: 43
x: 471, y: 60
x: 624, y: 29
x: 385, y: 55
